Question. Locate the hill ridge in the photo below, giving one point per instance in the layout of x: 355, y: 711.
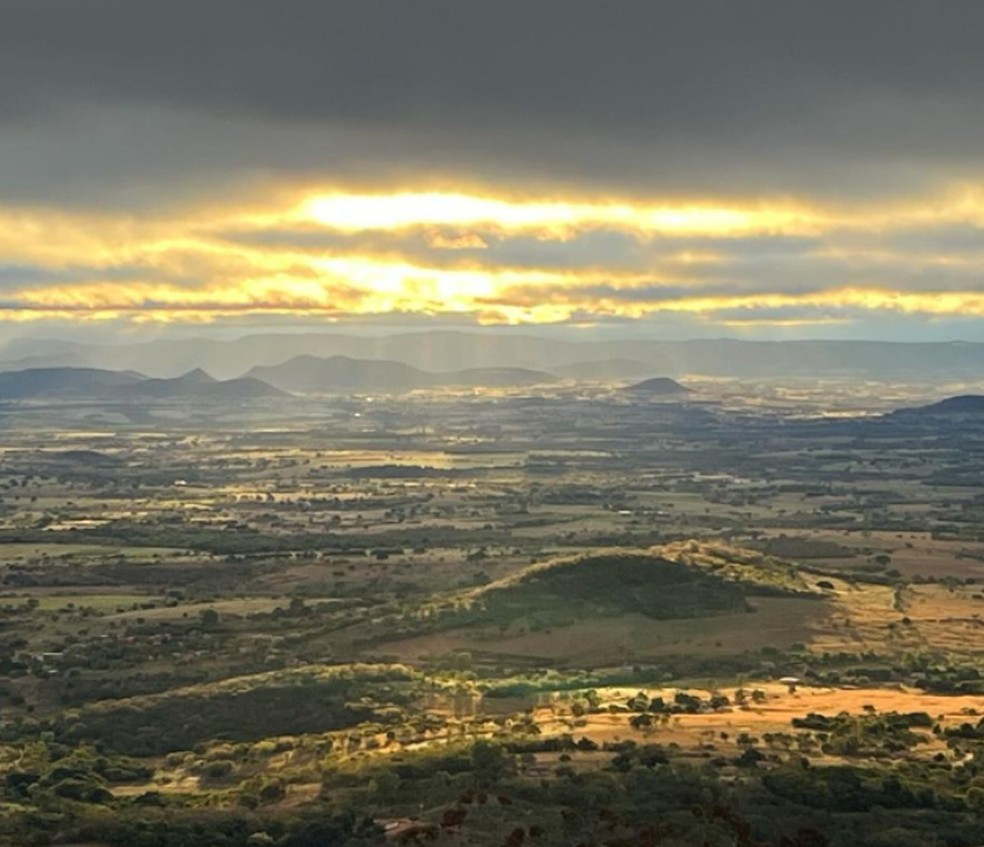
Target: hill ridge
x: 102, y: 384
x: 657, y: 386
x: 434, y: 350
x: 314, y: 374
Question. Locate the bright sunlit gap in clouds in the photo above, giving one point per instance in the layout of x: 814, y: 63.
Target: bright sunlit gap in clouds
x: 352, y: 212
x: 499, y: 259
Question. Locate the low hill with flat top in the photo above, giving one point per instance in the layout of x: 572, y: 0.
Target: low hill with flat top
x: 963, y: 404
x: 609, y: 585
x: 684, y: 599
x: 659, y: 386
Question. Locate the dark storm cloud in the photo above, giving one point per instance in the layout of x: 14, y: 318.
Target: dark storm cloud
x: 651, y: 96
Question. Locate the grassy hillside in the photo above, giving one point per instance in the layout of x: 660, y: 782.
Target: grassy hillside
x: 607, y: 585
x: 758, y: 573
x: 309, y: 699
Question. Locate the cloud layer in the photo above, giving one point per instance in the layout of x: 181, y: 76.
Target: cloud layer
x: 497, y: 260
x: 743, y: 164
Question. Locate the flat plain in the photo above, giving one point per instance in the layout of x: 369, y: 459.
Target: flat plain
x: 383, y: 603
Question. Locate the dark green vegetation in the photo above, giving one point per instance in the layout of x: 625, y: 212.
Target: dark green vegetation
x: 590, y: 586
x: 557, y: 617
x: 244, y: 709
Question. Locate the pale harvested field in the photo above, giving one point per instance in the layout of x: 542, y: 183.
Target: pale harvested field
x: 875, y: 617
x: 773, y: 715
x: 913, y: 553
x: 242, y: 606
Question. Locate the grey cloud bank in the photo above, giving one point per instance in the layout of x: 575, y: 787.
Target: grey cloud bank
x: 769, y: 97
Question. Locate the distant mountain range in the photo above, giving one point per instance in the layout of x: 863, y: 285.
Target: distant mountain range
x: 447, y: 351
x: 300, y: 375
x: 310, y: 374
x: 332, y: 375
x: 93, y: 383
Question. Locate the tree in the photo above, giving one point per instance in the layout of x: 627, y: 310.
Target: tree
x: 489, y: 762
x: 209, y: 618
x: 385, y: 786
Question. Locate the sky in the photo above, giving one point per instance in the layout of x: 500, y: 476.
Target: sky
x: 746, y: 168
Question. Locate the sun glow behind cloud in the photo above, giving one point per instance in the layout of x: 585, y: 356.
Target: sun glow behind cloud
x: 490, y: 259
x: 353, y: 212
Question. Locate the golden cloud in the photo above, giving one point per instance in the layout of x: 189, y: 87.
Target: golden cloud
x: 186, y: 268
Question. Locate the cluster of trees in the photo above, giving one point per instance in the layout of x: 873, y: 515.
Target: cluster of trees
x: 277, y: 703
x: 853, y: 789
x: 868, y: 734
x: 489, y: 789
x: 134, y: 827
x: 46, y: 771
